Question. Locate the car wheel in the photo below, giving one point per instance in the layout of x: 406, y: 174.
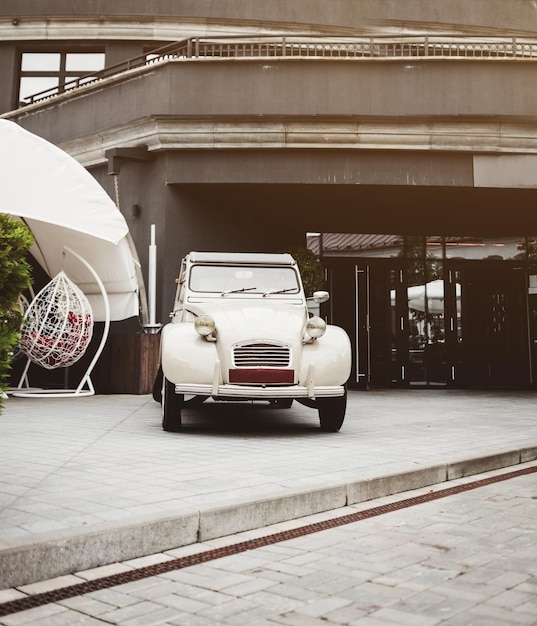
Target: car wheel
x: 157, y: 386
x: 332, y: 412
x: 171, y: 407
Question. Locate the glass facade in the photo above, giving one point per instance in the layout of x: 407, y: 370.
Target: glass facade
x: 438, y: 310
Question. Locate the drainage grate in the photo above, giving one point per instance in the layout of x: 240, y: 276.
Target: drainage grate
x: 30, y: 602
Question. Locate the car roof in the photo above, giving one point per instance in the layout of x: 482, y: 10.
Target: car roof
x: 246, y: 258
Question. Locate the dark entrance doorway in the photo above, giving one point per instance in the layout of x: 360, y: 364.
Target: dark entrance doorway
x: 492, y: 335
x: 422, y: 315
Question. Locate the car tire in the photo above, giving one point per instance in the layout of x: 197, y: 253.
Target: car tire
x: 332, y: 412
x: 157, y: 386
x: 171, y: 407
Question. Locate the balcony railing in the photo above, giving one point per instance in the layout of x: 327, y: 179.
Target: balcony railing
x: 197, y: 49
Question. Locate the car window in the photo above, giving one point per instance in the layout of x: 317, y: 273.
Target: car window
x: 251, y: 279
x: 180, y: 292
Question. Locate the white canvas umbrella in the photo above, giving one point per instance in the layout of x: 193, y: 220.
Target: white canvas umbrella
x: 63, y: 205
x: 76, y: 226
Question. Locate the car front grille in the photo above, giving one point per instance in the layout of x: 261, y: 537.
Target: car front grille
x: 261, y: 355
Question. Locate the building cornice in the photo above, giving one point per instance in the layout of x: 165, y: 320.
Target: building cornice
x: 160, y: 134
x: 154, y: 27
x: 142, y: 29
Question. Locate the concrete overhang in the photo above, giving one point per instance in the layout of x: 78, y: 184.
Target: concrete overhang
x: 383, y: 108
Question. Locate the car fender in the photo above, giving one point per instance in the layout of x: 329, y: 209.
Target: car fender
x: 327, y: 359
x: 185, y: 356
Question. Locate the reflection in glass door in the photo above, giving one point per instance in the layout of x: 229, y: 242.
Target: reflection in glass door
x: 426, y: 311
x: 427, y: 336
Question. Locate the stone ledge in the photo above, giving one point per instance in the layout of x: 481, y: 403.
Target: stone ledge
x: 507, y: 138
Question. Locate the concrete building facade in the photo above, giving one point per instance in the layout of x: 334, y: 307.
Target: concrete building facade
x: 238, y: 125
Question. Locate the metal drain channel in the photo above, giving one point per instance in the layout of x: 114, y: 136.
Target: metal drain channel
x: 40, y: 599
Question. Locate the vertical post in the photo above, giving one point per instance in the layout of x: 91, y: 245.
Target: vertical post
x: 152, y: 277
x: 86, y: 380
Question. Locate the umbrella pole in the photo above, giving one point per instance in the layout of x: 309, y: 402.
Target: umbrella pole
x: 24, y: 377
x: 86, y: 378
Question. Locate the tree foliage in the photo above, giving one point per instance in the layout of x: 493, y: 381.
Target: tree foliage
x: 311, y: 269
x: 15, y: 277
x: 422, y: 266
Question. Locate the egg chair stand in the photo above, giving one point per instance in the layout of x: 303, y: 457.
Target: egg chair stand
x: 85, y: 387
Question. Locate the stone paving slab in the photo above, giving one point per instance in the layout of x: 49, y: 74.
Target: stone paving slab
x: 94, y: 480
x: 466, y: 557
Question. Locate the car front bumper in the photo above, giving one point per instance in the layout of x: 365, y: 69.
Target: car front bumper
x: 261, y: 393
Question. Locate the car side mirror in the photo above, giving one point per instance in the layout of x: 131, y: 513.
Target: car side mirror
x: 320, y: 296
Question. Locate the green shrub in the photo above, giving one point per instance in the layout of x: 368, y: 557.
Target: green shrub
x: 311, y: 269
x: 15, y: 277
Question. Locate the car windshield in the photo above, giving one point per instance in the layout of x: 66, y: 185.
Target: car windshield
x: 226, y: 279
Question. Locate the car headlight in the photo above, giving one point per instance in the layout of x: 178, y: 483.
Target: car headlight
x: 204, y: 325
x: 316, y: 327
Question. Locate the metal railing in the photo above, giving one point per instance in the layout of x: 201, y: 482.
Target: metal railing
x: 286, y: 47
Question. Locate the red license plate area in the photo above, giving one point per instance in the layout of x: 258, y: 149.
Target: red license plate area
x: 260, y: 376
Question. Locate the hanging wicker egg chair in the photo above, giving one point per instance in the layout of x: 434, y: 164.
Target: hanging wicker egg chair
x: 58, y: 324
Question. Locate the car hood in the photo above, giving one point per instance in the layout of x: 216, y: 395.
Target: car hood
x: 254, y: 320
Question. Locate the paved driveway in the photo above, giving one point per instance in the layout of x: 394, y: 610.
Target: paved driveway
x: 88, y: 473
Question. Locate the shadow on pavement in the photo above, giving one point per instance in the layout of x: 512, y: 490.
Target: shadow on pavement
x: 248, y: 418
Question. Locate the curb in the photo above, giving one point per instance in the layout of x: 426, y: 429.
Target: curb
x: 57, y: 554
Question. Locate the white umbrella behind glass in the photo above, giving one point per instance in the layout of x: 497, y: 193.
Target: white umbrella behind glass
x: 428, y: 297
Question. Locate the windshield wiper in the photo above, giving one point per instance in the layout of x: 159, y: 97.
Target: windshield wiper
x: 269, y: 293
x: 238, y: 290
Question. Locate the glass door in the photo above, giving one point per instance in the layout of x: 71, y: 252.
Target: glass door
x: 363, y: 334
x: 381, y: 350
x: 493, y: 338
x: 425, y: 297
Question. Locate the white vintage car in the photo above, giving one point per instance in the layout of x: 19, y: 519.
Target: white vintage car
x: 240, y: 330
